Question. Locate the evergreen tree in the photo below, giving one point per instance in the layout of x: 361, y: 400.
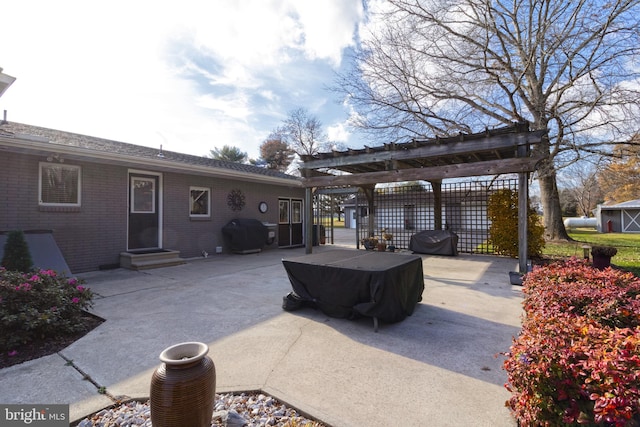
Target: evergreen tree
x: 16, y: 253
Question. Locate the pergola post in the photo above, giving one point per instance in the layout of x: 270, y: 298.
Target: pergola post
x: 308, y: 219
x: 436, y: 186
x: 523, y: 214
x: 369, y: 191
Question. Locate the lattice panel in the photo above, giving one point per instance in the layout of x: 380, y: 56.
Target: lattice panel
x: 407, y: 209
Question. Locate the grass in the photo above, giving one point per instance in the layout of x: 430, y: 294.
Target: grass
x: 628, y: 245
x: 327, y: 222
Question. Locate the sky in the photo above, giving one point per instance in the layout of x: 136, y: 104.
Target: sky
x: 190, y: 75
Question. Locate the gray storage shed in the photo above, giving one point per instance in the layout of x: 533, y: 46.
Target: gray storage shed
x: 620, y: 218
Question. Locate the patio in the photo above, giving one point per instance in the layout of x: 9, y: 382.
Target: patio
x: 441, y: 366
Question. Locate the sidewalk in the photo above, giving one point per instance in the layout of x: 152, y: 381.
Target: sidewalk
x: 439, y: 367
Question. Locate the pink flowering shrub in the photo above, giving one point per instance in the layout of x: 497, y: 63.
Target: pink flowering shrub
x: 577, y: 359
x: 39, y: 304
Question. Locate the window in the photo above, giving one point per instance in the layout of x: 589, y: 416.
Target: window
x: 143, y: 195
x: 296, y: 208
x: 284, y: 211
x: 59, y: 185
x: 199, y: 202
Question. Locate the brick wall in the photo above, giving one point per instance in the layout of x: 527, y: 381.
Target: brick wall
x: 94, y: 234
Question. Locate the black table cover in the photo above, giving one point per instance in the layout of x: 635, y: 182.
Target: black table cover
x: 353, y: 283
x: 434, y: 242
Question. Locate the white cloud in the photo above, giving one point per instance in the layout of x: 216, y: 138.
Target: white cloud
x: 338, y: 133
x: 191, y: 76
x: 329, y: 26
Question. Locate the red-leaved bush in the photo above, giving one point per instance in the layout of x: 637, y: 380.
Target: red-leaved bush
x: 577, y: 359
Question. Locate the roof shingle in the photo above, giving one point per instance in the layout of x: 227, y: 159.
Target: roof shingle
x: 101, y: 145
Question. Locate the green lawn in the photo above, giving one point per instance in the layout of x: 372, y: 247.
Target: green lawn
x: 327, y: 222
x: 628, y: 245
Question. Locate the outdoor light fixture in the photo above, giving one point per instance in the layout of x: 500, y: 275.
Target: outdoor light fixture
x: 55, y: 156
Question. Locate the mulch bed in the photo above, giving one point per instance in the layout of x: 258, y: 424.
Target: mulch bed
x: 47, y: 346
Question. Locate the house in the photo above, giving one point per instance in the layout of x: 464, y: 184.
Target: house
x: 100, y: 198
x: 620, y: 218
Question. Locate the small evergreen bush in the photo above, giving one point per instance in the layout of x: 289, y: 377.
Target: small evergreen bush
x: 38, y: 305
x: 16, y: 253
x: 502, y: 211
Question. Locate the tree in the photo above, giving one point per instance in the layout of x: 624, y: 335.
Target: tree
x: 443, y: 67
x: 620, y: 179
x: 17, y: 256
x: 303, y: 132
x: 568, y: 202
x: 329, y: 204
x: 580, y: 189
x: 276, y: 153
x: 338, y: 200
x: 229, y: 154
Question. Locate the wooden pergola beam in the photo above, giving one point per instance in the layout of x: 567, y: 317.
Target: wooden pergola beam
x: 431, y: 150
x: 492, y: 167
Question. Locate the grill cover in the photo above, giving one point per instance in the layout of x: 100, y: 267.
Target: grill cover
x: 245, y: 235
x: 434, y: 242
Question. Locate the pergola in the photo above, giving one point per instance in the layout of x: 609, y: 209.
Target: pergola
x: 498, y: 151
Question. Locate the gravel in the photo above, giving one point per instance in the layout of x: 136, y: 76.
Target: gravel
x: 230, y: 410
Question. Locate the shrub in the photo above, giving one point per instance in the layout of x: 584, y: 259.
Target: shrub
x: 39, y: 304
x: 610, y: 298
x: 577, y: 358
x: 502, y: 211
x: 16, y: 252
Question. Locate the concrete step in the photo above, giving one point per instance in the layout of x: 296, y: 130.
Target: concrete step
x: 151, y: 259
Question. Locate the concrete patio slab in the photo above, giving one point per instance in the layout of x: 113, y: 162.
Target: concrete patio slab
x: 439, y: 367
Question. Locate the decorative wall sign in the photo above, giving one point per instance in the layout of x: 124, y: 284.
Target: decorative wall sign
x: 235, y: 200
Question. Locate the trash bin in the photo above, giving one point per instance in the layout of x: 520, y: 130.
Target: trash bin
x: 318, y: 234
x: 245, y: 236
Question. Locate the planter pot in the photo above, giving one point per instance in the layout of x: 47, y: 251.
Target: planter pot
x: 183, y: 387
x: 515, y: 278
x: 368, y: 245
x: 382, y: 247
x: 601, y: 262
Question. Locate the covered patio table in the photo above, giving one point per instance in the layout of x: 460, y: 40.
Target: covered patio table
x: 352, y: 283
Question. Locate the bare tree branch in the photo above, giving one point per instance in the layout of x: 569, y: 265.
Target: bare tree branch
x: 429, y: 67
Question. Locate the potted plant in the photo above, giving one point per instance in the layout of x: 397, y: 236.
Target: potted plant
x: 602, y: 256
x: 388, y: 237
x: 370, y: 243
